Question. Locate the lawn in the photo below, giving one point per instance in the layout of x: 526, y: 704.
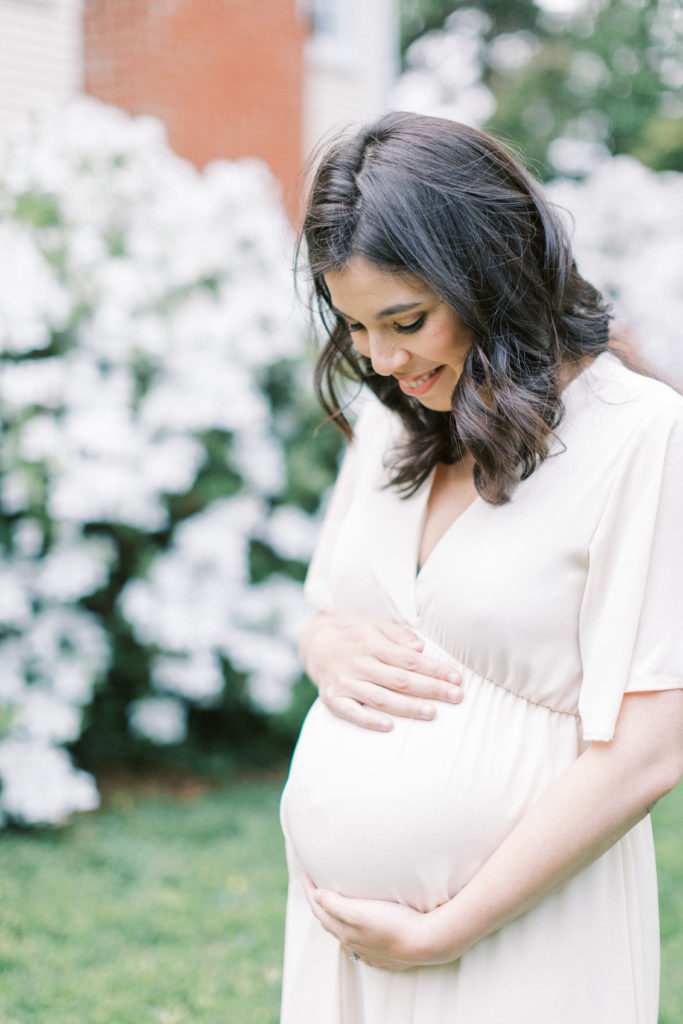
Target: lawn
x: 163, y: 908
x: 667, y: 820
x: 167, y: 907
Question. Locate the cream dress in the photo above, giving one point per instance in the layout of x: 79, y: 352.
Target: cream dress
x: 552, y: 607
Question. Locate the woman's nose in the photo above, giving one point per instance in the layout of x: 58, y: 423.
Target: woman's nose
x: 385, y: 355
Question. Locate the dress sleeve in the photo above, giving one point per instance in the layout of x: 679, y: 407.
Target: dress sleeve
x: 631, y: 621
x: 317, y: 588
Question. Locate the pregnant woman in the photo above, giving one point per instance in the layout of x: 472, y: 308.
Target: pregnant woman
x: 506, y: 537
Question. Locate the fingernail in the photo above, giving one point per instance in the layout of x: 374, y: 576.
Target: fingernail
x: 317, y: 898
x: 385, y: 724
x: 427, y: 712
x: 454, y: 677
x: 453, y: 694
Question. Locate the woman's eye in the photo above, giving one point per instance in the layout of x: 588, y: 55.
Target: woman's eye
x: 411, y: 328
x: 354, y: 327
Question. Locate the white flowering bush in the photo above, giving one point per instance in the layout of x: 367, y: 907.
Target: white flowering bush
x: 444, y: 67
x: 152, y: 470
x: 627, y: 225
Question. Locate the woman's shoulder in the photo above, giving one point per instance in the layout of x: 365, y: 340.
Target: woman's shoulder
x: 623, y: 400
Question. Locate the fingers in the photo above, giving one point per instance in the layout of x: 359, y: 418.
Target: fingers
x: 317, y: 902
x: 371, y: 706
x: 331, y: 904
x: 371, y: 703
x: 402, y: 635
x: 379, y: 699
x: 338, y: 907
x: 404, y: 693
x: 351, y: 710
x: 362, y: 927
x: 421, y: 681
x: 411, y: 669
x: 337, y: 915
x: 368, y: 673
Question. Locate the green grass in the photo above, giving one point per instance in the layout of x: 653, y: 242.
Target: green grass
x: 168, y: 908
x: 667, y: 820
x: 156, y: 910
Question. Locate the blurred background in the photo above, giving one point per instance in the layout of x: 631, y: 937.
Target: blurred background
x: 160, y: 470
x: 162, y: 463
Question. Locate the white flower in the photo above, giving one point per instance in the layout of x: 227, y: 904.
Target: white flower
x: 270, y: 693
x: 33, y: 382
x: 90, y: 490
x: 166, y: 294
x: 217, y: 538
x: 44, y: 716
x: 15, y: 595
x: 576, y: 156
x: 627, y: 224
x: 272, y: 666
x: 72, y: 570
x: 443, y: 77
x: 32, y: 301
x: 512, y: 50
x: 28, y: 538
x: 41, y: 439
x: 14, y: 491
x: 162, y: 720
x: 172, y: 463
x: 68, y: 650
x: 198, y: 677
x: 12, y: 677
x: 276, y: 606
x: 587, y: 72
x: 40, y: 785
x: 562, y: 8
x: 193, y: 591
x: 259, y: 457
x: 291, y: 533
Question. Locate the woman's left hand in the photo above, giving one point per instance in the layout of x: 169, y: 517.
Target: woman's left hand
x: 379, y: 932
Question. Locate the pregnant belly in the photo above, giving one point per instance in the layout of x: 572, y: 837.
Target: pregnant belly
x: 410, y: 815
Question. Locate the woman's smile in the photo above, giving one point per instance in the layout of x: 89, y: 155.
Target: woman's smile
x: 404, y: 328
x: 421, y: 384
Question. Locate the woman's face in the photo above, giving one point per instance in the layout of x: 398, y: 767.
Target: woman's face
x: 404, y: 328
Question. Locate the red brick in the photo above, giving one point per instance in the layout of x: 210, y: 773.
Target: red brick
x: 225, y: 76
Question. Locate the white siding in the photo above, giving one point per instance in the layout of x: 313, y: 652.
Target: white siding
x: 350, y: 70
x: 41, y: 52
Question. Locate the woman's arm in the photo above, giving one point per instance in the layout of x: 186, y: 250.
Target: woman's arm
x: 585, y: 811
x: 367, y: 672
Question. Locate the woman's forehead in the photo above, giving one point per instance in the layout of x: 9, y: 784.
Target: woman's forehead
x: 362, y: 283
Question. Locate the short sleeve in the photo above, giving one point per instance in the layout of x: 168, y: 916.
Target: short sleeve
x: 317, y: 589
x: 631, y: 621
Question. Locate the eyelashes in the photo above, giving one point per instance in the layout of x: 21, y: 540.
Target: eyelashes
x: 411, y: 328
x: 399, y: 328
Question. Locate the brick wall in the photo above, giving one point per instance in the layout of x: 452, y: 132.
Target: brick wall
x: 224, y: 75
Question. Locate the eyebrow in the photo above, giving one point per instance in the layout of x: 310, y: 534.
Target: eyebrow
x: 402, y: 307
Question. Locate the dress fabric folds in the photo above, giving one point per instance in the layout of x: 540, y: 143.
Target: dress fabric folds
x: 552, y: 607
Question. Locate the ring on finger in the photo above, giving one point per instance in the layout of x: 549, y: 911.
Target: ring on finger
x: 353, y: 957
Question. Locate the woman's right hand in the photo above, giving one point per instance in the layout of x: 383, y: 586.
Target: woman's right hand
x: 369, y: 672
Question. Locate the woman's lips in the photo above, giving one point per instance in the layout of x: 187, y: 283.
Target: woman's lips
x: 420, y: 383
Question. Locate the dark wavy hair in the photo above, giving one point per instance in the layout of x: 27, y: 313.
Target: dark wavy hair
x: 449, y: 205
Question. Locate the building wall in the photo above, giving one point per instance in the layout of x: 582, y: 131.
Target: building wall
x: 224, y: 75
x: 351, y: 62
x: 41, y: 52
x: 228, y: 77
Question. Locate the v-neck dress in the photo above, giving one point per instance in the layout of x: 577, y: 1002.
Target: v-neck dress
x: 552, y: 607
